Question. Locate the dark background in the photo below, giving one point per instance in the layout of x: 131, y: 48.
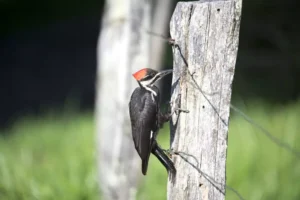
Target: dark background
x: 48, y: 54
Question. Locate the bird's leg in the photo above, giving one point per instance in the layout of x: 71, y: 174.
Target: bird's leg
x: 163, y: 157
x: 165, y: 117
x: 170, y: 152
x: 175, y: 105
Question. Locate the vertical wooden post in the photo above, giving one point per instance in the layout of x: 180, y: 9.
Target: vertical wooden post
x: 123, y: 48
x: 206, y: 37
x: 161, y: 17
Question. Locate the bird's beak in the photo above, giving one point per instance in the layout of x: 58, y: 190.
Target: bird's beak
x: 164, y: 73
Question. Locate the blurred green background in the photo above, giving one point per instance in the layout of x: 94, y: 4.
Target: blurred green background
x: 48, y: 61
x: 52, y: 156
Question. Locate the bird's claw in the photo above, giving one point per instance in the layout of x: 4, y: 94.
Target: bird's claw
x: 176, y: 109
x: 169, y: 152
x: 171, y: 41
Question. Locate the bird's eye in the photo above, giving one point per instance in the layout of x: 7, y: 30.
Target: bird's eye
x: 147, y: 77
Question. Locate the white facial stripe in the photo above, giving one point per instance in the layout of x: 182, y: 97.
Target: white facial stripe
x: 155, y: 78
x: 152, y: 91
x: 146, y: 86
x: 145, y: 83
x: 151, y: 81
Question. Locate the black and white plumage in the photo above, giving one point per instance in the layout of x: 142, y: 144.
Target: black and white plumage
x: 146, y: 118
x: 143, y: 109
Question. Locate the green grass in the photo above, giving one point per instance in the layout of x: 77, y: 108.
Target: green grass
x: 53, y: 157
x: 257, y: 167
x: 49, y: 157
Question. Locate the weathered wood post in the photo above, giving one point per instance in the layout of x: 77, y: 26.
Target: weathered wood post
x: 206, y: 36
x: 123, y: 48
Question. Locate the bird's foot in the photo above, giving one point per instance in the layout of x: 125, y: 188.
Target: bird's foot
x: 172, y: 109
x: 175, y: 106
x: 171, y: 41
x: 169, y: 152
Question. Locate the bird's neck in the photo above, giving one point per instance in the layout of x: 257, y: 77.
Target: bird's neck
x: 152, y: 89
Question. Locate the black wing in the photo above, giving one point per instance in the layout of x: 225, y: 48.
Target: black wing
x: 143, y: 115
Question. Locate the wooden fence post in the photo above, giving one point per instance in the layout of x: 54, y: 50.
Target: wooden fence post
x: 205, y: 48
x: 123, y: 47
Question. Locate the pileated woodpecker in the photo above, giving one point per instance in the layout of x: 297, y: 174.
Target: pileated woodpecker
x: 146, y: 118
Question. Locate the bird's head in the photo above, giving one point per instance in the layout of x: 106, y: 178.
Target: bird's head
x: 147, y: 77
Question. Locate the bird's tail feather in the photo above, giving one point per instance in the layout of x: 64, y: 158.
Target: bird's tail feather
x: 145, y: 165
x: 164, y: 159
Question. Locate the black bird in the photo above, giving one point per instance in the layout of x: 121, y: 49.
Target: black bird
x: 146, y: 118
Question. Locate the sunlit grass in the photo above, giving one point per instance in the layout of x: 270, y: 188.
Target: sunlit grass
x: 53, y: 157
x: 49, y: 158
x: 256, y: 166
